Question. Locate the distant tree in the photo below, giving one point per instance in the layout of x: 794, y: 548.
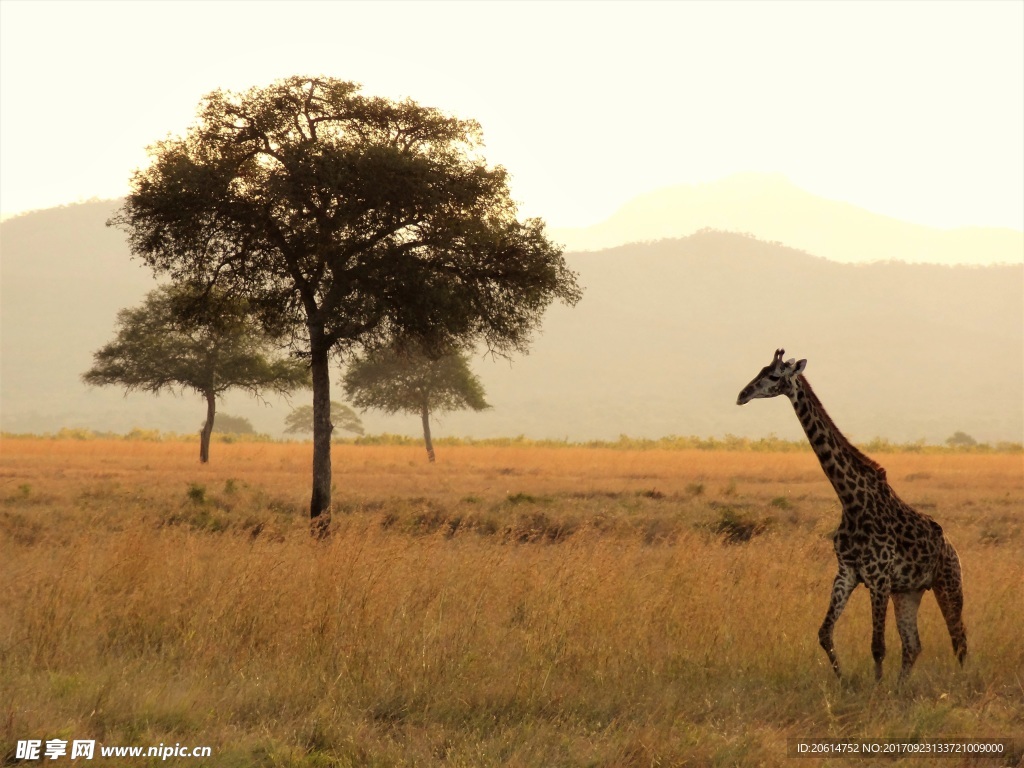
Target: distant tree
x: 960, y: 440
x: 352, y: 218
x: 181, y: 338
x: 410, y: 381
x: 300, y: 420
x: 233, y: 425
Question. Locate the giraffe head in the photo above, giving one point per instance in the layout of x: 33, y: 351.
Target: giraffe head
x: 773, y: 380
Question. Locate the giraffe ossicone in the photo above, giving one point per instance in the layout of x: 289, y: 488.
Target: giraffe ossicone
x: 882, y: 542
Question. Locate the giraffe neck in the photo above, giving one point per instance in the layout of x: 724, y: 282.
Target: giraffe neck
x: 844, y: 465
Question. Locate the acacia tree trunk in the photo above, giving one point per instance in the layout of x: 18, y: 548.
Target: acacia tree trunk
x: 204, y: 435
x: 320, y: 502
x: 425, y: 414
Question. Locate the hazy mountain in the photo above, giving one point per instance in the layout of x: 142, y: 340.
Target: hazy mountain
x: 774, y: 210
x: 668, y: 333
x: 665, y: 337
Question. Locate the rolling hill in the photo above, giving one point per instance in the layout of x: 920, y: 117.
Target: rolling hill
x: 666, y: 335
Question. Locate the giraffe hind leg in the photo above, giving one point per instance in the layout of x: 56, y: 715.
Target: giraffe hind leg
x: 906, y: 605
x: 879, y: 607
x: 949, y: 593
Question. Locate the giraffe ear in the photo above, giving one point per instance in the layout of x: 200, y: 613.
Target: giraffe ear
x: 800, y: 367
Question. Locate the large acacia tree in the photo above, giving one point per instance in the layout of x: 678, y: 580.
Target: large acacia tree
x: 183, y: 339
x: 406, y: 380
x: 357, y: 219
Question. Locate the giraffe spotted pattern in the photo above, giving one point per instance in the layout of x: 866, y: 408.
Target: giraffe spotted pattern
x: 882, y: 542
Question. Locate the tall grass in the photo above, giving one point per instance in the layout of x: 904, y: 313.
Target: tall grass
x: 512, y: 606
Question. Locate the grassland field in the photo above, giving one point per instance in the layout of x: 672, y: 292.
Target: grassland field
x: 509, y: 605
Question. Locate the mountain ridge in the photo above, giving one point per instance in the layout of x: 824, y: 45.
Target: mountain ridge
x: 771, y: 208
x: 665, y: 336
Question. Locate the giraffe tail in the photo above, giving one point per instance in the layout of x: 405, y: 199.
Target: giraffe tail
x: 949, y: 593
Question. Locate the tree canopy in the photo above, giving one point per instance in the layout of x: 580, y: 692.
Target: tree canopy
x: 406, y: 380
x: 354, y: 220
x: 182, y: 339
x: 342, y: 417
x: 226, y: 424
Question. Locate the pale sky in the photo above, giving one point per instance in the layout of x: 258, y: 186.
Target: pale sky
x: 910, y: 109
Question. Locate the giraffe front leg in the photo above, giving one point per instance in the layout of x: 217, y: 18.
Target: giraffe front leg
x: 879, y: 607
x: 843, y: 586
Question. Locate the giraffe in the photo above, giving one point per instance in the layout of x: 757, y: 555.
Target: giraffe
x: 895, y: 551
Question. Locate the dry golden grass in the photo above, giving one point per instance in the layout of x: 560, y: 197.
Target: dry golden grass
x: 507, y: 606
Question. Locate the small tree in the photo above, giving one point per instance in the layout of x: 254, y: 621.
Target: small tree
x: 181, y: 339
x: 300, y: 420
x: 393, y: 381
x: 960, y: 440
x: 233, y: 425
